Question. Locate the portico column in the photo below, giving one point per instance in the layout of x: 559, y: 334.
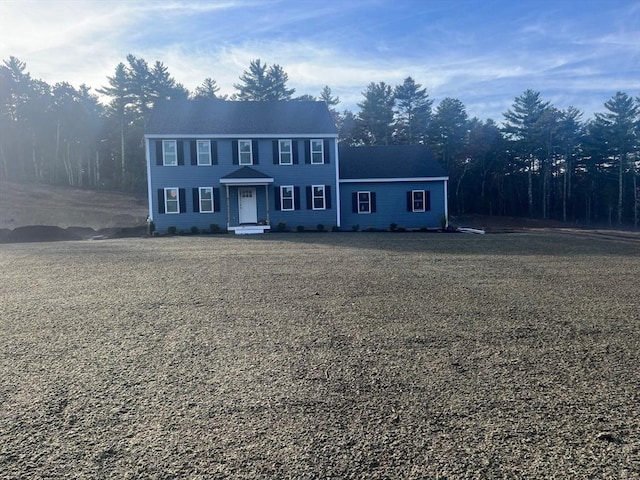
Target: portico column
x: 266, y: 195
x: 228, y: 209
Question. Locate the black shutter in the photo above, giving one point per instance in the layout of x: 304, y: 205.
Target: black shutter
x: 307, y: 151
x: 196, y: 200
x: 427, y: 200
x: 372, y: 197
x: 327, y: 151
x: 309, y: 198
x: 354, y: 202
x: 234, y: 148
x: 159, y: 159
x: 294, y: 149
x: 327, y: 196
x: 409, y: 202
x: 216, y: 199
x: 276, y: 153
x: 254, y: 151
x: 180, y: 146
x: 160, y: 200
x: 183, y: 200
x: 276, y: 196
x: 296, y: 198
x: 214, y: 152
x: 194, y: 152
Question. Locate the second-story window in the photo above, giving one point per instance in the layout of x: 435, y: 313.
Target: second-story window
x: 245, y: 156
x: 284, y: 152
x: 204, y: 152
x: 169, y: 153
x: 317, y: 151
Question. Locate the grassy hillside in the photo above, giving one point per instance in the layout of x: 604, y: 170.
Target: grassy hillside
x: 33, y: 204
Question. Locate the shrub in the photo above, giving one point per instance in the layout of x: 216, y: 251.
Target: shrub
x: 443, y: 222
x: 300, y: 228
x: 335, y: 228
x: 281, y: 227
x: 214, y: 228
x: 195, y: 230
x: 393, y: 227
x: 320, y: 227
x: 402, y: 229
x: 355, y: 228
x: 172, y: 230
x: 370, y: 229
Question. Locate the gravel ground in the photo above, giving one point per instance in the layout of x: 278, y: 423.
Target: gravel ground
x: 300, y: 356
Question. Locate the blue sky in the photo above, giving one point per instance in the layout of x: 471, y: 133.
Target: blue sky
x: 484, y: 52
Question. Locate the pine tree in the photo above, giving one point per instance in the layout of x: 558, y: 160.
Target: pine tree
x: 412, y: 113
x: 375, y: 118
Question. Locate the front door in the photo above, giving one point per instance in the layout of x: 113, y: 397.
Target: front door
x: 247, y: 205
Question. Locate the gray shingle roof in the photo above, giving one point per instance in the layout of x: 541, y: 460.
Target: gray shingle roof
x: 246, y: 172
x: 388, y: 161
x: 220, y: 117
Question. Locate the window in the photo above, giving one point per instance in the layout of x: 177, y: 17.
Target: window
x: 284, y: 152
x: 171, y: 200
x: 204, y: 152
x: 317, y: 151
x: 169, y: 153
x: 417, y: 201
x: 286, y: 198
x: 206, y: 199
x: 318, y: 197
x: 245, y: 156
x: 364, y: 202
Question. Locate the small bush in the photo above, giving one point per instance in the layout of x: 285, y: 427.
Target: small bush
x: 355, y: 228
x: 335, y: 228
x: 320, y: 227
x: 370, y: 229
x: 443, y: 222
x: 393, y: 227
x: 402, y: 229
x: 281, y: 227
x: 172, y: 230
x: 300, y: 228
x: 214, y: 228
x: 195, y: 230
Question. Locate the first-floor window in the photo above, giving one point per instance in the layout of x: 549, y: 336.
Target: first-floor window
x: 417, y: 200
x: 364, y: 202
x: 171, y: 200
x: 286, y: 198
x: 318, y: 197
x: 206, y: 199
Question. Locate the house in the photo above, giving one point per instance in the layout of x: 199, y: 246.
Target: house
x: 249, y: 166
x: 396, y: 184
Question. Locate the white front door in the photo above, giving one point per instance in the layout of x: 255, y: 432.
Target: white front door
x: 247, y: 205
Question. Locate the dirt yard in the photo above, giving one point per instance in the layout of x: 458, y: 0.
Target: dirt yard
x: 335, y: 355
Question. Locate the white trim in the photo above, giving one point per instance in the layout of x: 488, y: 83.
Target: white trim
x: 246, y: 181
x: 164, y: 163
x: 313, y: 197
x: 234, y: 136
x: 368, y: 192
x: 446, y: 202
x: 413, y: 201
x: 338, y: 204
x: 205, y: 142
x: 177, y: 200
x: 293, y: 199
x: 149, y: 190
x: 311, y: 151
x: 240, y: 152
x: 280, y: 152
x: 213, y: 208
x: 399, y: 179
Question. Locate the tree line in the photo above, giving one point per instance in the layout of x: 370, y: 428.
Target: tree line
x: 541, y: 162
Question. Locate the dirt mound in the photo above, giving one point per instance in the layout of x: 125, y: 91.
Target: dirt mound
x: 40, y: 233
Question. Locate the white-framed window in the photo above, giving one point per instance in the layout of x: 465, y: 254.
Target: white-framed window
x: 364, y: 202
x: 245, y: 154
x: 169, y: 153
x: 318, y: 200
x: 205, y: 199
x: 417, y: 201
x: 285, y: 152
x: 204, y: 152
x: 317, y: 151
x: 286, y: 198
x: 172, y: 200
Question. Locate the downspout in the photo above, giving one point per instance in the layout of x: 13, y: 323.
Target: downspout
x: 337, y: 162
x: 149, y: 190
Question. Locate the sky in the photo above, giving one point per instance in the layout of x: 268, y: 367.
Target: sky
x: 484, y: 52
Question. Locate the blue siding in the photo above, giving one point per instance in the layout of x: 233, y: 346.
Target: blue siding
x: 391, y: 205
x: 188, y: 176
